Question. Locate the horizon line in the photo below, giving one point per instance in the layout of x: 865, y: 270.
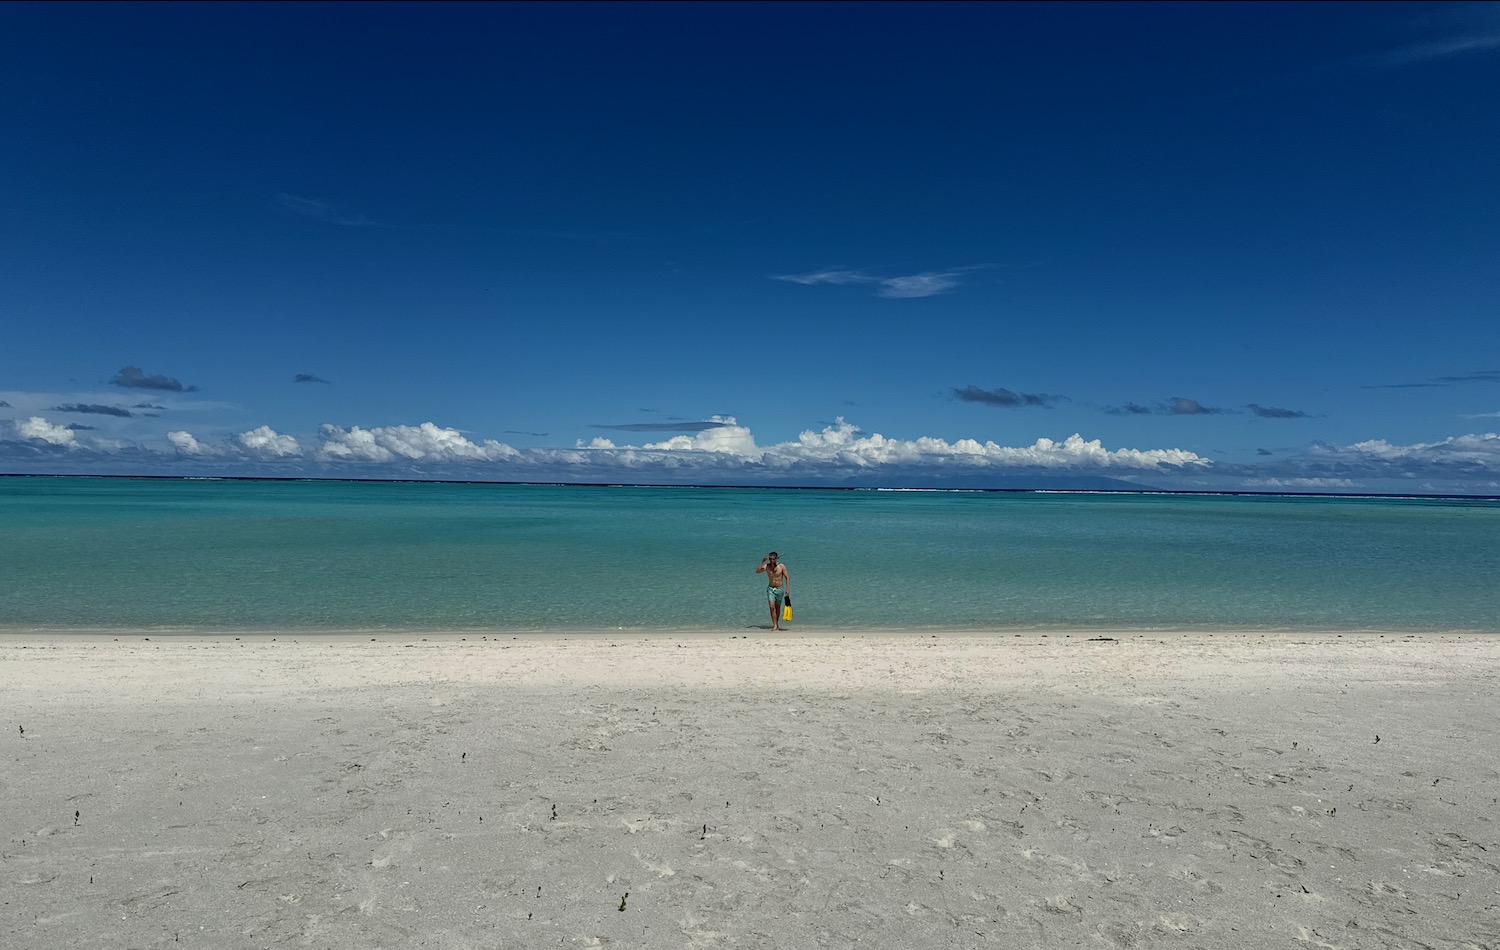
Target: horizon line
x: 873, y: 488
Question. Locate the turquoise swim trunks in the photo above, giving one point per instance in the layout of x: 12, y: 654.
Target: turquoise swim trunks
x: 773, y: 594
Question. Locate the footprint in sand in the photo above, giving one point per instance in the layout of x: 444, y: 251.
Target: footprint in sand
x: 1200, y: 883
x: 1174, y: 924
x: 1262, y: 850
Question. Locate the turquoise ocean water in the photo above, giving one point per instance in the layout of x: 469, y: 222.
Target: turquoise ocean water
x: 252, y: 555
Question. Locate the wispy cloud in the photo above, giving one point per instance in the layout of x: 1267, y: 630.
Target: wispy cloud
x: 1005, y: 398
x: 592, y: 237
x: 904, y: 287
x: 1482, y: 376
x: 1439, y: 31
x: 1442, y: 48
x: 829, y: 277
x: 1183, y: 406
x: 131, y: 377
x: 684, y: 426
x: 1315, y: 484
x: 320, y: 210
x: 917, y: 285
x: 1176, y: 406
x: 308, y: 378
x: 1274, y: 412
x: 1434, y: 382
x: 95, y: 409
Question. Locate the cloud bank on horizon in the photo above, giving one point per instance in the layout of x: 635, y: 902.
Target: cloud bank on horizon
x: 722, y: 444
x: 726, y: 452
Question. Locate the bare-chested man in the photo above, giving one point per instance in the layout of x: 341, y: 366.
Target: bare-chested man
x: 780, y: 589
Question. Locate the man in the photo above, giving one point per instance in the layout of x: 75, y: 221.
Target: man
x: 780, y: 588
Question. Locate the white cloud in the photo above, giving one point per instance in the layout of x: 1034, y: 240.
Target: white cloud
x: 1465, y: 461
x: 186, y: 444
x: 426, y: 442
x: 1483, y: 448
x: 265, y: 442
x: 38, y: 428
x: 729, y: 438
x: 354, y: 444
x: 843, y: 442
x: 843, y: 447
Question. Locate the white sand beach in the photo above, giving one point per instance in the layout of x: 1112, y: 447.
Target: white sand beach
x: 721, y: 790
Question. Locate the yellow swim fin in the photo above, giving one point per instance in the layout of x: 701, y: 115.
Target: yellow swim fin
x: 786, y: 612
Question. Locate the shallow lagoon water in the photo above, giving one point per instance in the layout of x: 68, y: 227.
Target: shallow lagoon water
x: 325, y: 555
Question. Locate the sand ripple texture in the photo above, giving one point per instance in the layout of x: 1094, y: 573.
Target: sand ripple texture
x: 721, y: 791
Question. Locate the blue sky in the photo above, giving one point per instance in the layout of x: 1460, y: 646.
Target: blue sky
x: 1217, y: 246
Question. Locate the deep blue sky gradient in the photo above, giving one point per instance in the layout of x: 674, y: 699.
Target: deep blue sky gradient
x: 526, y: 221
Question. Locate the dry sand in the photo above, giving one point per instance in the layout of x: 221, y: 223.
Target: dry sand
x: 622, y: 790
